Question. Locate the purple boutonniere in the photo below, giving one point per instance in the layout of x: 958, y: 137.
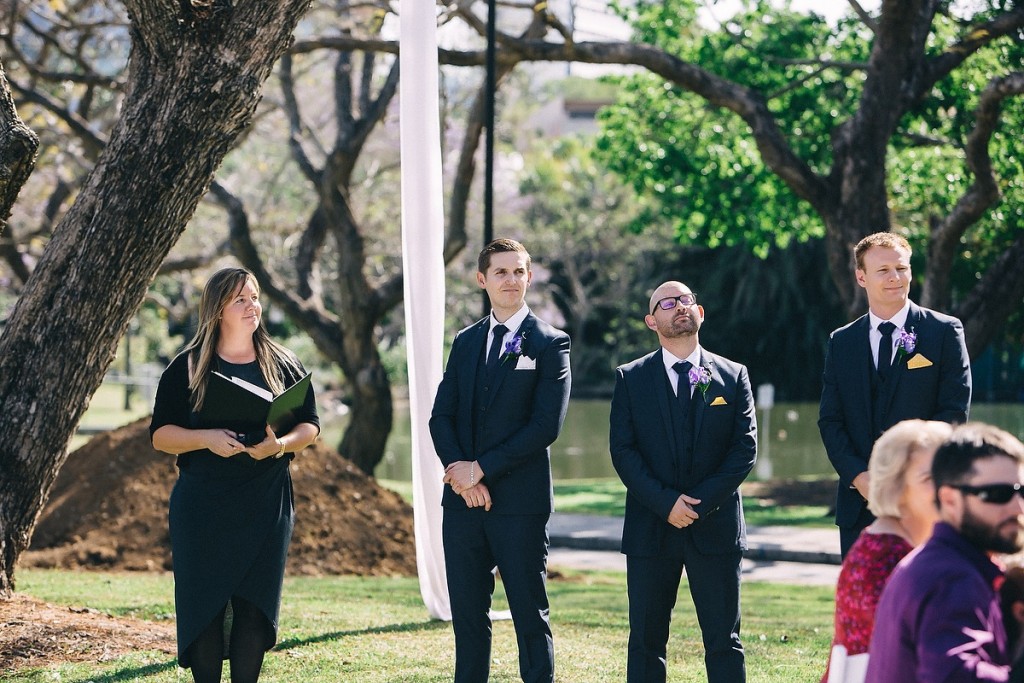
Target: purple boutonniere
x: 513, y: 349
x: 906, y: 343
x: 700, y: 377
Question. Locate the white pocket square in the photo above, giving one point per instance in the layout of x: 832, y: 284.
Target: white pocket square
x: 526, y: 363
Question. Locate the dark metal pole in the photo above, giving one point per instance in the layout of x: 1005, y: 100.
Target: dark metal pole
x: 489, y: 137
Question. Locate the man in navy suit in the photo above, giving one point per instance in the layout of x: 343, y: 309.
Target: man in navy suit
x: 683, y: 438
x: 896, y: 362
x: 500, y: 405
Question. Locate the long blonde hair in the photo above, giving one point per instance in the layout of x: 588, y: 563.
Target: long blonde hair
x: 202, y: 350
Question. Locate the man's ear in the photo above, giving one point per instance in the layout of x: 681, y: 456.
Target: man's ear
x: 481, y: 279
x: 951, y: 503
x: 651, y: 323
x: 860, y: 275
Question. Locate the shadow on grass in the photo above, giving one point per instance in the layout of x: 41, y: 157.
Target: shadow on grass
x: 130, y: 674
x: 430, y: 625
x: 151, y: 669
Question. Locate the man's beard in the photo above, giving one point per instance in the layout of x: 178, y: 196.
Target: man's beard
x: 987, y: 538
x: 681, y: 327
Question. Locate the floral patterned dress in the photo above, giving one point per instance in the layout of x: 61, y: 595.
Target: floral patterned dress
x: 865, y: 570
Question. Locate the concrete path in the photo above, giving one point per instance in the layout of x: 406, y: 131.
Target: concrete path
x: 776, y: 554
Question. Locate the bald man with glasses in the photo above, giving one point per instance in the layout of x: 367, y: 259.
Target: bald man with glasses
x: 683, y: 437
x: 939, y: 617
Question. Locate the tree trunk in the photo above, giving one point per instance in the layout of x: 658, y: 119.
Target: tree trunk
x: 994, y: 299
x: 196, y: 76
x: 18, y: 147
x: 372, y: 413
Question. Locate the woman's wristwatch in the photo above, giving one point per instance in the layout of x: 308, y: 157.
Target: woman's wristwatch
x: 280, y: 444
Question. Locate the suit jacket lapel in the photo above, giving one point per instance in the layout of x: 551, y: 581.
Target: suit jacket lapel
x: 476, y: 338
x: 699, y: 399
x: 505, y: 367
x: 654, y: 368
x: 899, y: 366
x: 862, y: 363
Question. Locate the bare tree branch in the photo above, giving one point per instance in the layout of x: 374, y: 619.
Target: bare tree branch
x: 94, y: 144
x: 321, y: 325
x: 868, y: 20
x: 295, y: 125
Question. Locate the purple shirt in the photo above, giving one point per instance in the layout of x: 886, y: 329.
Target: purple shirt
x: 938, y: 619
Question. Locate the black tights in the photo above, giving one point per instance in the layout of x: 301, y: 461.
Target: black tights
x: 249, y: 638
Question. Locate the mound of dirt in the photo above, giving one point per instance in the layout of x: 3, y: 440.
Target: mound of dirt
x: 108, y: 510
x: 37, y: 634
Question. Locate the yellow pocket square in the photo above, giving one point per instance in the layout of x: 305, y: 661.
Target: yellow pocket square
x: 918, y: 361
x: 719, y: 401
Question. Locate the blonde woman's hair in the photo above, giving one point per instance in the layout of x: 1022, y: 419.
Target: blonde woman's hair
x: 891, y: 456
x: 219, y: 291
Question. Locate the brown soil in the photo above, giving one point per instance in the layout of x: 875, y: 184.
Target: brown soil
x: 36, y: 634
x: 108, y: 511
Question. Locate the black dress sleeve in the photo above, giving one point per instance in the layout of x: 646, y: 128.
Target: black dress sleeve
x: 308, y: 412
x: 172, y: 406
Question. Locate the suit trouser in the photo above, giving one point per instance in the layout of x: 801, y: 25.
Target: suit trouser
x: 848, y: 535
x: 652, y: 584
x: 475, y: 542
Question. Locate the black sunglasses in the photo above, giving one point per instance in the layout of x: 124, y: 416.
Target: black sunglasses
x: 997, y: 494
x: 670, y: 302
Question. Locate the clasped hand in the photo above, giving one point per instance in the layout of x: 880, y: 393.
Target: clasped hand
x: 225, y: 443
x: 683, y: 514
x: 464, y: 478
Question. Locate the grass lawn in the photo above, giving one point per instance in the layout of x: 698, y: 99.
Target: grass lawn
x: 376, y: 630
x: 608, y: 497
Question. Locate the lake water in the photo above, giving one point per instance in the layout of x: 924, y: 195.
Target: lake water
x: 793, y: 447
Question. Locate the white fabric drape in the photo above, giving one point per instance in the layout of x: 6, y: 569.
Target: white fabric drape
x: 423, y: 263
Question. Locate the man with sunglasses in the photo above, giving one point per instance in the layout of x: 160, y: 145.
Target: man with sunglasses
x: 683, y: 437
x: 939, y: 617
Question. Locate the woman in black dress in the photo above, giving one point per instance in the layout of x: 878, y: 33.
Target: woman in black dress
x: 231, y: 510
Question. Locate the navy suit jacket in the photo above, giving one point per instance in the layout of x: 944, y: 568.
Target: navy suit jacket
x: 643, y: 452
x: 933, y: 383
x: 518, y: 420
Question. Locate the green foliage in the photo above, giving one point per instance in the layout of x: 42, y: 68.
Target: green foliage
x: 698, y: 167
x: 375, y: 630
x: 698, y: 164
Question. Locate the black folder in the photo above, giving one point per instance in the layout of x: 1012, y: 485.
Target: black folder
x: 244, y: 408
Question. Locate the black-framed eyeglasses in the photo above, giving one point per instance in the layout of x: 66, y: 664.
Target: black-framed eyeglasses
x: 670, y: 302
x: 997, y: 494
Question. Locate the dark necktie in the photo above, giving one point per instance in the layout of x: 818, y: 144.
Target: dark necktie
x: 885, y: 348
x: 683, y: 387
x: 495, y: 352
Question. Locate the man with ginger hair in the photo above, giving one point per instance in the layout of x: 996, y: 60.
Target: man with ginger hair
x: 896, y: 362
